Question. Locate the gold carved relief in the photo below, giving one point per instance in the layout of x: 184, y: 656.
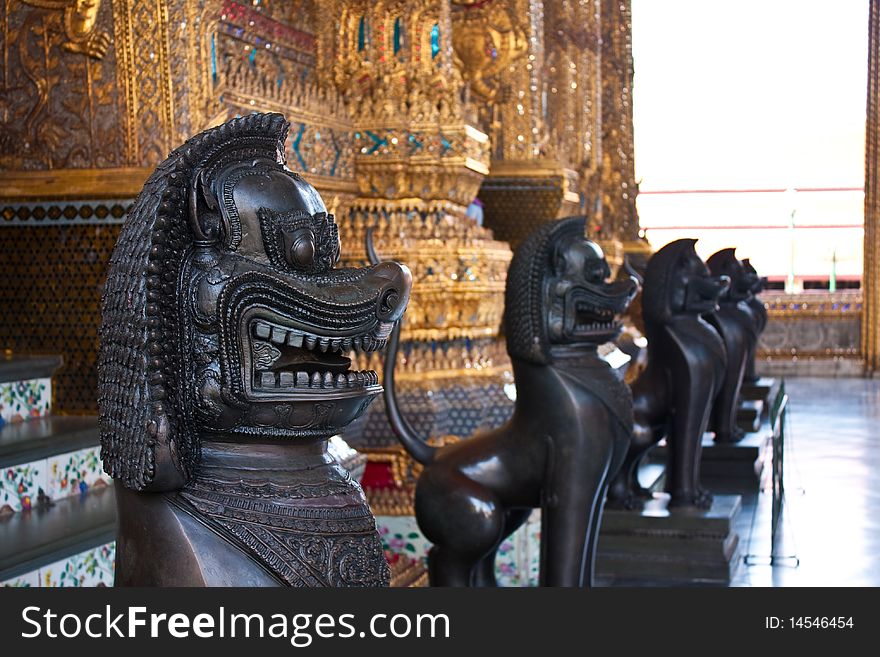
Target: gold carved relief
x: 59, y: 104
x: 487, y: 39
x: 80, y: 25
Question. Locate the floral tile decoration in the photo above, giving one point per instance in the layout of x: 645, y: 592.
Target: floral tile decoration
x: 517, y: 563
x: 21, y: 400
x: 20, y: 485
x: 401, y: 535
x: 28, y: 580
x: 94, y: 567
x: 75, y: 473
x: 519, y: 557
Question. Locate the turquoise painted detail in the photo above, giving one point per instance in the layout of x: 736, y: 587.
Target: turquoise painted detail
x: 338, y: 153
x: 213, y: 58
x: 378, y: 141
x: 398, y: 36
x: 416, y: 144
x: 295, y: 145
x: 435, y: 40
x: 362, y: 34
x: 444, y: 142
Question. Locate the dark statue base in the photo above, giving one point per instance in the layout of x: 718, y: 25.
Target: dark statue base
x: 659, y: 548
x: 759, y: 390
x: 741, y: 462
x: 755, y: 406
x: 750, y: 414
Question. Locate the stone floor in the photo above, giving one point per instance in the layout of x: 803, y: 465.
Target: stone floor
x: 831, y: 518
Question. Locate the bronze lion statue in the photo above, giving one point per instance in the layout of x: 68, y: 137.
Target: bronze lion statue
x: 737, y: 325
x: 223, y: 373
x: 570, y: 427
x: 673, y: 396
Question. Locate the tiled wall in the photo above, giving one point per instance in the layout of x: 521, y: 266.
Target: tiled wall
x: 517, y: 563
x: 59, y: 476
x: 93, y: 567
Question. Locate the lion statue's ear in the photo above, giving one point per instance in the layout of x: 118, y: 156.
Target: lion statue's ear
x: 558, y: 257
x: 205, y: 219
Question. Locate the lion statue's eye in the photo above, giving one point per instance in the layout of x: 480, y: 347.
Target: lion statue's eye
x: 301, y: 249
x: 594, y: 272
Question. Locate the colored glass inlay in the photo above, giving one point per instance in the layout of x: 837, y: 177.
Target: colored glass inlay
x: 213, y: 58
x: 362, y: 34
x: 445, y: 145
x: 435, y: 40
x: 296, y: 143
x: 338, y: 153
x: 398, y: 36
x: 416, y: 144
x: 378, y: 142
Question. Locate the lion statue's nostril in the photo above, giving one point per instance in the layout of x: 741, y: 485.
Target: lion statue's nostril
x: 389, y: 301
x: 394, y: 294
x: 390, y: 307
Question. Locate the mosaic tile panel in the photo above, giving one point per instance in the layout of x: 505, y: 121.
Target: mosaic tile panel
x: 20, y: 400
x: 75, y: 473
x: 20, y: 485
x: 95, y: 567
x: 518, y: 561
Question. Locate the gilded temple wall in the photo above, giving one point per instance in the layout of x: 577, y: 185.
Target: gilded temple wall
x: 401, y: 114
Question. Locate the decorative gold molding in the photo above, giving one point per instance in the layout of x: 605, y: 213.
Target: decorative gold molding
x: 794, y: 354
x: 637, y: 246
x: 245, y: 89
x: 540, y: 168
x: 73, y: 183
x: 828, y: 305
x: 331, y: 185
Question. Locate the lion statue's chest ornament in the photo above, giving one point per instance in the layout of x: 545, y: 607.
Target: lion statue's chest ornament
x: 223, y: 371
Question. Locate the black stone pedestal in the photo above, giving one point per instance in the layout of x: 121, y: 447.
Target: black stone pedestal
x: 750, y: 414
x: 662, y: 548
x: 743, y: 460
x: 729, y: 463
x: 757, y: 395
x: 758, y: 390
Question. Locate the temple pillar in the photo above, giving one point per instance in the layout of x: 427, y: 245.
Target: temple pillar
x: 620, y: 219
x: 870, y: 330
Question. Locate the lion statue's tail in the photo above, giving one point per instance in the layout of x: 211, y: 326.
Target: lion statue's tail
x: 416, y: 446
